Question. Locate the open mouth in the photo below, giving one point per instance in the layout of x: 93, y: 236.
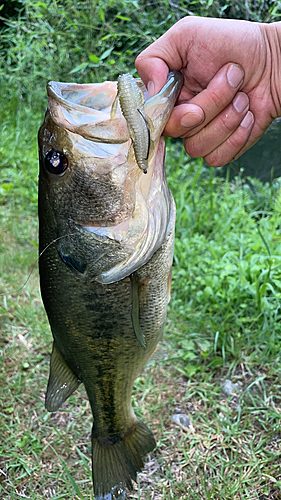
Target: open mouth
x: 85, y: 110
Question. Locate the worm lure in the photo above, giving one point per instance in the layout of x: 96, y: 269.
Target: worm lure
x: 132, y: 103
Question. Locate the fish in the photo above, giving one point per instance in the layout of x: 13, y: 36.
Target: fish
x: 106, y: 239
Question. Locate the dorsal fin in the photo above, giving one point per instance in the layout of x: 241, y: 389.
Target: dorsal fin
x: 62, y: 382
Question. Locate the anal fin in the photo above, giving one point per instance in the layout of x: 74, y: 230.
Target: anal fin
x: 62, y: 382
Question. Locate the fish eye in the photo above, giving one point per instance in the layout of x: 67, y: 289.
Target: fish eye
x: 56, y: 162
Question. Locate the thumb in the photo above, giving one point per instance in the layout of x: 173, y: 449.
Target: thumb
x: 153, y: 72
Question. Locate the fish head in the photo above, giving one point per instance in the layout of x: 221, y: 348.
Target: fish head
x: 106, y: 215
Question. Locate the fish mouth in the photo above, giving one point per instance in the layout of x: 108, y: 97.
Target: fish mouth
x: 85, y: 109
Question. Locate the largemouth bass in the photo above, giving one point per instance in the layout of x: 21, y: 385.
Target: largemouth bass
x: 106, y: 243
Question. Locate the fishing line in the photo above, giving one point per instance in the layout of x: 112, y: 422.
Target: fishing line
x: 36, y: 262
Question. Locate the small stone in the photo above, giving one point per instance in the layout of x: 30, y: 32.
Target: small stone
x: 231, y: 389
x: 181, y: 419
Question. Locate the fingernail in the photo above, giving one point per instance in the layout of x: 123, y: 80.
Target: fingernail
x: 150, y: 88
x: 247, y: 120
x: 191, y: 119
x: 235, y: 75
x: 240, y: 102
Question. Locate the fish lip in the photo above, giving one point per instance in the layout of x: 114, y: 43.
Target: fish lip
x: 173, y: 84
x: 160, y: 106
x: 55, y: 91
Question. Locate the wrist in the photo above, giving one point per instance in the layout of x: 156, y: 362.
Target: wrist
x: 272, y: 35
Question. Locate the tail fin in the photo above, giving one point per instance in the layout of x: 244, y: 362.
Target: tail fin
x: 118, y: 458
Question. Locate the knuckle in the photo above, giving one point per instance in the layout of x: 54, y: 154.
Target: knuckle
x: 193, y: 147
x: 236, y: 143
x: 216, y: 100
x: 226, y: 124
x: 138, y: 61
x: 139, y: 58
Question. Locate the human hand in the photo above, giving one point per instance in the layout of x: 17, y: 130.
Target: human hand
x: 232, y: 74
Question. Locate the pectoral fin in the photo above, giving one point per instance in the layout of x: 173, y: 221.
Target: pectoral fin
x: 62, y: 382
x: 136, y: 310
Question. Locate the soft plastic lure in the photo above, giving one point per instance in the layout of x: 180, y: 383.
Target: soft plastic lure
x: 132, y: 103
